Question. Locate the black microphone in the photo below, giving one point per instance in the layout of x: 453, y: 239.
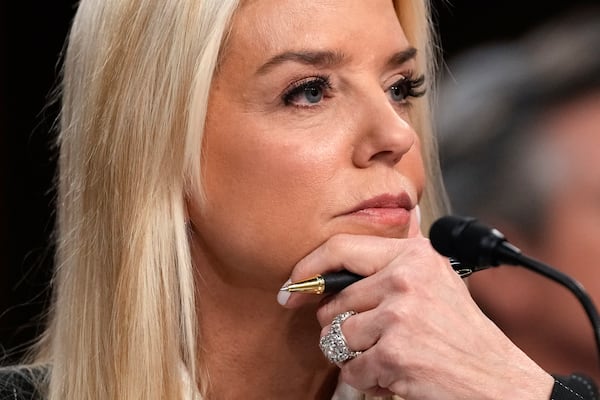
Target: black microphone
x: 474, y: 244
x: 471, y: 242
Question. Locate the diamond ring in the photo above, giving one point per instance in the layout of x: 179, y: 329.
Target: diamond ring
x: 334, y: 345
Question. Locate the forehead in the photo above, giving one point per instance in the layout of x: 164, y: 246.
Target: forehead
x: 265, y: 27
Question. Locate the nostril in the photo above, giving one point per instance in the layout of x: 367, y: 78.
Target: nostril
x: 387, y: 156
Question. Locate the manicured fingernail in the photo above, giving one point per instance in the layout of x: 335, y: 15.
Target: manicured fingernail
x: 284, y: 295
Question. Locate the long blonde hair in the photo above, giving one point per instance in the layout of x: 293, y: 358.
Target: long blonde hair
x: 137, y: 76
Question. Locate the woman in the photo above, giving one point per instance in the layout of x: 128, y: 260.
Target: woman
x: 210, y: 152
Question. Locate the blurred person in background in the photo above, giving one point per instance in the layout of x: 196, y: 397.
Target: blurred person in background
x: 519, y: 128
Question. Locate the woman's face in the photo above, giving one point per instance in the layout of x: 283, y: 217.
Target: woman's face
x: 308, y: 135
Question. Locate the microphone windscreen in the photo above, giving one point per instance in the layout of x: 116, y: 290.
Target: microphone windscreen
x: 443, y: 233
x: 465, y: 239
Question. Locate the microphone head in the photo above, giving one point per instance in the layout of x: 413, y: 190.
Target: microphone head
x: 467, y: 240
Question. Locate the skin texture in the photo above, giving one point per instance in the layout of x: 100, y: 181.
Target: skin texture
x: 279, y: 176
x: 300, y: 187
x: 562, y: 340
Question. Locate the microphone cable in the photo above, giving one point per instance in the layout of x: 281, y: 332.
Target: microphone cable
x: 481, y: 247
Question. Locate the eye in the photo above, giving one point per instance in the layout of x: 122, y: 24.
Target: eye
x: 307, y: 92
x: 405, y: 88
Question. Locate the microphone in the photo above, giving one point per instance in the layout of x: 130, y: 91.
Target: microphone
x: 471, y: 242
x: 481, y: 247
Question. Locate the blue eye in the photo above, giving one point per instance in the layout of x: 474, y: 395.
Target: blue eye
x: 307, y: 92
x: 406, y: 87
x: 313, y: 94
x: 399, y: 92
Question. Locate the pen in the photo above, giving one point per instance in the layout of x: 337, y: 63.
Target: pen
x: 334, y: 282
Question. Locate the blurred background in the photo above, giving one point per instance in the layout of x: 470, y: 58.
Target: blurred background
x: 31, y: 38
x: 518, y: 124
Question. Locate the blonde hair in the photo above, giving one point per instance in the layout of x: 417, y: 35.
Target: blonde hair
x: 415, y: 18
x: 136, y: 83
x: 124, y: 322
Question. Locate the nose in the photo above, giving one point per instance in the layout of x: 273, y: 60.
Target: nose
x: 384, y: 135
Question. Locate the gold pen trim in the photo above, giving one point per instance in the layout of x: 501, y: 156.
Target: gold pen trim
x: 315, y: 285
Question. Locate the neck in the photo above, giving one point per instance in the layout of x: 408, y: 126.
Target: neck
x: 254, y: 348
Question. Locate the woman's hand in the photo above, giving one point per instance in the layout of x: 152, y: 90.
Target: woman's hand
x: 420, y: 333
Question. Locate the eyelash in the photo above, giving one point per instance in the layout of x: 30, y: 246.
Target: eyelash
x: 410, y: 88
x: 321, y: 82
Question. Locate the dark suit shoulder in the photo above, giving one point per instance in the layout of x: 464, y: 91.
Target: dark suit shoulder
x: 21, y: 383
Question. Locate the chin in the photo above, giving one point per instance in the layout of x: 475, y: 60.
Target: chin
x: 371, y: 229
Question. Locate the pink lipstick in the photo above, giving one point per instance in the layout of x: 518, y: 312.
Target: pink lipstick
x: 385, y: 209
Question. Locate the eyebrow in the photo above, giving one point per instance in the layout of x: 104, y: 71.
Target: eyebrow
x: 401, y: 57
x: 328, y: 59
x: 314, y: 58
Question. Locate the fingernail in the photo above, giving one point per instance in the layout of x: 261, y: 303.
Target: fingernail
x: 418, y: 212
x: 284, y: 295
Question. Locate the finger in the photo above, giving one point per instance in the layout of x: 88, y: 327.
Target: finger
x: 364, y: 255
x: 341, y: 244
x: 358, y: 330
x: 366, y: 294
x: 359, y: 254
x: 371, y: 373
x: 391, y: 285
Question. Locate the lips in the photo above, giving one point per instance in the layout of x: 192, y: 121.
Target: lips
x: 387, y: 211
x: 384, y: 202
x: 386, y: 215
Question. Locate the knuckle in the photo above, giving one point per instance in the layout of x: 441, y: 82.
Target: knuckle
x: 393, y: 315
x: 390, y: 358
x: 337, y: 243
x: 397, y: 279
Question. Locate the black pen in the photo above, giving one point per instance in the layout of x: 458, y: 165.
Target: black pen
x: 334, y: 282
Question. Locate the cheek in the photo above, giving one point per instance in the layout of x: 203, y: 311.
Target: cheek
x: 263, y: 192
x: 412, y: 166
x: 265, y: 172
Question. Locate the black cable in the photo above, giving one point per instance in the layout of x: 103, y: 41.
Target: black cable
x: 572, y: 285
x: 480, y: 247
